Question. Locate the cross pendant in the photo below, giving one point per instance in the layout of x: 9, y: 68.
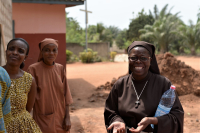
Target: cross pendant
x: 137, y: 104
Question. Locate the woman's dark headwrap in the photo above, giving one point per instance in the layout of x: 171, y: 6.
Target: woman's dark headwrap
x: 150, y: 47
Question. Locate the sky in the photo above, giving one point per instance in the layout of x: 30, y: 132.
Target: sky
x: 120, y: 12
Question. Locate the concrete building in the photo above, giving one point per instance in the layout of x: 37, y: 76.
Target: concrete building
x: 35, y: 20
x: 6, y: 23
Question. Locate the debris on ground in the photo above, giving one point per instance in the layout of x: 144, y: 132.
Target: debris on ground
x: 97, y: 97
x: 197, y: 92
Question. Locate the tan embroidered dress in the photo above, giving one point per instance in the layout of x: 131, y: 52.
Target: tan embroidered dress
x: 21, y: 121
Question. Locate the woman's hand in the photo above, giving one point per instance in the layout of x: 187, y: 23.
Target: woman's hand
x: 144, y: 123
x: 118, y: 127
x: 67, y: 124
x: 31, y: 96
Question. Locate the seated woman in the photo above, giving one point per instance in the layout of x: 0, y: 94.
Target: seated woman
x: 51, y: 109
x: 22, y: 89
x: 134, y: 98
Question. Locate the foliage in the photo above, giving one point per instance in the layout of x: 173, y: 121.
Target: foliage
x: 106, y: 36
x: 198, y: 15
x: 163, y: 30
x: 121, y: 39
x: 74, y: 33
x: 138, y: 23
x: 177, y: 45
x: 112, y: 55
x: 74, y: 58
x: 100, y: 27
x: 100, y: 33
x: 93, y: 35
x: 98, y: 59
x: 191, y: 35
x: 89, y: 57
x: 68, y: 54
x: 126, y: 44
x: 114, y: 31
x: 70, y: 57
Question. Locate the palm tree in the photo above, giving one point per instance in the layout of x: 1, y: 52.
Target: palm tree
x: 191, y: 35
x: 163, y: 30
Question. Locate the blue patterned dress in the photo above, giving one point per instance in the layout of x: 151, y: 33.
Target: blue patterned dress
x: 5, y: 109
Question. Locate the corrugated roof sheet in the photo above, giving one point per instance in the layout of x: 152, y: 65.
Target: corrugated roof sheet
x: 72, y: 2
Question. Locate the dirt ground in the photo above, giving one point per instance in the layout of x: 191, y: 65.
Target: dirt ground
x: 87, y: 110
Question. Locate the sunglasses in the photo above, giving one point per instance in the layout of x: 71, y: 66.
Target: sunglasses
x: 141, y: 58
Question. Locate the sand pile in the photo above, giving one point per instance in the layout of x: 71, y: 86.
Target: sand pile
x: 185, y: 78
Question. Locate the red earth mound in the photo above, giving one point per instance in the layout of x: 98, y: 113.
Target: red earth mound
x: 185, y: 78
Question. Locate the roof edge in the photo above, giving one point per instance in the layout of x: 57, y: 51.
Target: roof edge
x: 50, y: 2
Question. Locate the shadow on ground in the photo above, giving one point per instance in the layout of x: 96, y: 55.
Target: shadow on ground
x: 85, y: 95
x: 79, y: 127
x: 87, y: 109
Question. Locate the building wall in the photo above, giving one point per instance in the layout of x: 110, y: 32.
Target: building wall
x: 6, y: 21
x: 103, y: 48
x: 116, y: 49
x: 34, y: 22
x: 39, y: 18
x: 76, y: 48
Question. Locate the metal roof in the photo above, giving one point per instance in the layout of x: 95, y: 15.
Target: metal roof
x: 66, y: 2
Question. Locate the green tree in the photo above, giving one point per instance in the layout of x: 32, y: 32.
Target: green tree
x: 106, y: 36
x: 100, y: 33
x: 191, y: 35
x: 74, y: 33
x: 162, y: 32
x: 100, y: 28
x: 114, y: 30
x: 138, y: 23
x: 156, y: 12
x: 93, y: 36
x: 121, y: 39
x: 198, y: 15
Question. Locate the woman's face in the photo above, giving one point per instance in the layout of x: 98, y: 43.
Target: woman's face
x: 16, y: 53
x: 139, y: 62
x: 49, y: 54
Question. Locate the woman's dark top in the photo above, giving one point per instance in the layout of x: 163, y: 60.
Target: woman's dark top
x: 120, y: 104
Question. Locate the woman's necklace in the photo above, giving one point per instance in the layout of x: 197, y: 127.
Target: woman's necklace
x: 138, y: 97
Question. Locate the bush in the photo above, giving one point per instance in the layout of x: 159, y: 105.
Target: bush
x: 98, y: 59
x: 74, y: 58
x: 89, y: 56
x: 68, y: 54
x: 71, y: 57
x: 112, y: 55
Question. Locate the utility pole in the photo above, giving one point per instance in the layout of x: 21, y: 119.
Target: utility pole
x: 86, y: 22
